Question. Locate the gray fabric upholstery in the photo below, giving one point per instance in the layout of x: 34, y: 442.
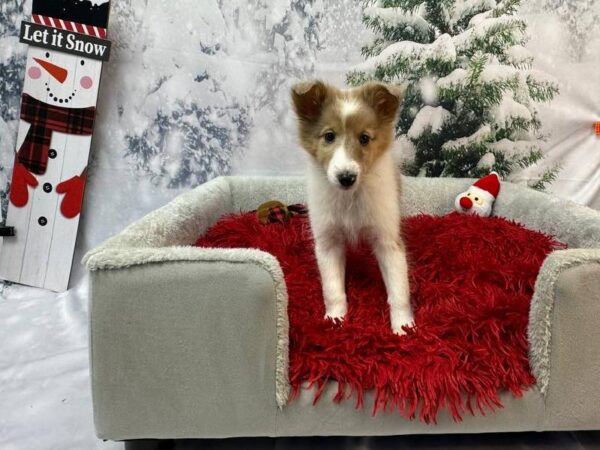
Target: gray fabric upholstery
x: 573, y: 395
x: 301, y: 418
x: 177, y: 347
x: 169, y: 323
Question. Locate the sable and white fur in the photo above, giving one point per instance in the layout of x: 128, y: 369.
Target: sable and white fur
x: 353, y: 187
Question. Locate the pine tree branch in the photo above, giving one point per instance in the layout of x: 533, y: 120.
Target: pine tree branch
x: 406, y: 5
x: 394, y: 24
x: 507, y: 7
x: 375, y: 47
x: 547, y: 177
x: 437, y: 13
x: 541, y: 90
x: 494, y: 36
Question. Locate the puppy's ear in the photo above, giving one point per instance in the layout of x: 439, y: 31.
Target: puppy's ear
x: 308, y: 98
x: 384, y: 98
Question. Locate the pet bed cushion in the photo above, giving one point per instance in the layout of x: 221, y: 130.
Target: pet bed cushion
x: 471, y: 279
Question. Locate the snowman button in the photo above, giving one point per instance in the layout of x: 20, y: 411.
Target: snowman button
x: 52, y: 153
x: 42, y: 221
x: 47, y: 187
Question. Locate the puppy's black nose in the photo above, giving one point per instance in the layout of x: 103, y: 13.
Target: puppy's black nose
x: 347, y: 179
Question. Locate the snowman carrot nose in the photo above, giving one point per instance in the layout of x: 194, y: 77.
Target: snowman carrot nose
x: 57, y: 72
x: 466, y: 202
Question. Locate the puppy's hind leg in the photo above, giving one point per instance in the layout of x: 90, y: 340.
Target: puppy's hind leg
x: 394, y: 269
x: 331, y: 258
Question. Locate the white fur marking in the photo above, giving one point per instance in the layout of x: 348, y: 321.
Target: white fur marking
x: 348, y: 107
x: 341, y: 162
x: 337, y: 216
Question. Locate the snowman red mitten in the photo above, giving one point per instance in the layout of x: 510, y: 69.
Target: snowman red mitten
x: 21, y: 180
x: 479, y: 198
x: 73, y: 189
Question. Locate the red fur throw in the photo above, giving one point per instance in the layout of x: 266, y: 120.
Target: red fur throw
x: 471, y: 279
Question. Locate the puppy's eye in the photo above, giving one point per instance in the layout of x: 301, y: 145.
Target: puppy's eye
x: 364, y: 139
x: 329, y: 137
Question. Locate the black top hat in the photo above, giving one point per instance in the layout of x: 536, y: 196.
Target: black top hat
x: 80, y: 11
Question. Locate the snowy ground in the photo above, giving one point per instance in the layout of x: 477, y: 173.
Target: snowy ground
x: 162, y: 100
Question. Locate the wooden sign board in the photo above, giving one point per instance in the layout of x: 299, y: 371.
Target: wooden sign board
x: 58, y: 106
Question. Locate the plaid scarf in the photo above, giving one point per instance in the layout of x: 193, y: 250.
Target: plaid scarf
x: 45, y: 119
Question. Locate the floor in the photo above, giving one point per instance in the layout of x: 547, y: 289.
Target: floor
x: 584, y: 440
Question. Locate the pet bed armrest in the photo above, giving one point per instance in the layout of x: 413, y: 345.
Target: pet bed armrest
x: 564, y: 337
x: 185, y: 334
x: 180, y: 222
x: 576, y: 225
x: 180, y: 332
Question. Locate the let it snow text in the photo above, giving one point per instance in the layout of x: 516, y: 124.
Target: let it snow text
x: 65, y: 41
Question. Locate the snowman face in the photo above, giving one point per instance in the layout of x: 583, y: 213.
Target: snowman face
x: 62, y: 79
x: 474, y: 201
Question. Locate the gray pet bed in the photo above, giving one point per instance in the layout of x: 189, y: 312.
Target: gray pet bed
x: 179, y: 351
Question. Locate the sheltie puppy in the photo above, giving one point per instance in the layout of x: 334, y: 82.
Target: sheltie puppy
x: 354, y: 186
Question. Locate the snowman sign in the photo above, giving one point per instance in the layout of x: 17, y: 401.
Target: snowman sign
x: 58, y: 106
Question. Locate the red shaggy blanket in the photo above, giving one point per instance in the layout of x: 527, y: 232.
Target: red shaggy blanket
x: 471, y: 283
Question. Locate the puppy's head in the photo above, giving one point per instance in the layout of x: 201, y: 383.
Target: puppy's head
x: 346, y: 131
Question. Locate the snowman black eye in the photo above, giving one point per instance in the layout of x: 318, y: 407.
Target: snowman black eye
x: 476, y: 199
x: 47, y: 55
x: 82, y: 62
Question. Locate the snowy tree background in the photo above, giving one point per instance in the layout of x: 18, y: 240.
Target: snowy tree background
x: 581, y: 19
x: 198, y: 89
x: 470, y: 91
x: 12, y: 67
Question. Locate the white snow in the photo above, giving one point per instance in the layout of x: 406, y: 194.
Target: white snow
x: 428, y: 90
x: 509, y: 110
x: 464, y: 8
x: 519, y: 55
x: 403, y: 151
x: 514, y: 149
x: 428, y: 119
x: 481, y: 134
x: 481, y: 28
x: 498, y: 72
x: 10, y: 47
x: 478, y: 18
x: 455, y: 78
x: 396, y: 16
x: 486, y: 161
x: 442, y: 48
x: 8, y: 132
x: 542, y: 77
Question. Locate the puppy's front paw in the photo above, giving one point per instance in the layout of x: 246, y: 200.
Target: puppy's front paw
x: 401, y: 318
x: 336, y: 310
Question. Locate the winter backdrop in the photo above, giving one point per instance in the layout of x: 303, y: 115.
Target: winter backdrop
x: 199, y: 89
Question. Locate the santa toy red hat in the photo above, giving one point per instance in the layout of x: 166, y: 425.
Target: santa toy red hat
x: 488, y: 185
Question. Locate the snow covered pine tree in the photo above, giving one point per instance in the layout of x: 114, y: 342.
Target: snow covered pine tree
x: 12, y: 66
x: 200, y: 104
x: 470, y: 89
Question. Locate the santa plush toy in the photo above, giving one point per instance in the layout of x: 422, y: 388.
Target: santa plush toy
x: 479, y: 198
